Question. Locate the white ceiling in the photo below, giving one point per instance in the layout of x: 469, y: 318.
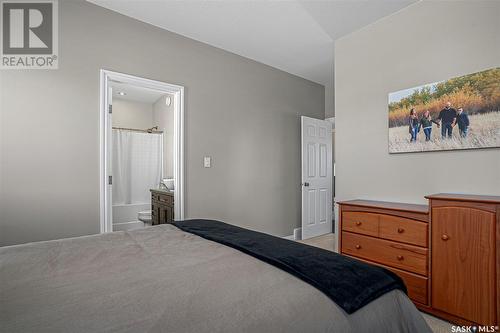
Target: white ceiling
x: 135, y: 94
x: 295, y: 36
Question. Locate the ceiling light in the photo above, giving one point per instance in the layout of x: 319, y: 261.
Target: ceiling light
x: 122, y: 93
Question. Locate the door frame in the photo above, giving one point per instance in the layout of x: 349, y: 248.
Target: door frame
x: 106, y: 223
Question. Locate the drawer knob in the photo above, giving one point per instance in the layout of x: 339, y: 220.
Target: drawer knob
x: 401, y: 230
x: 358, y: 223
x: 445, y: 237
x: 400, y: 258
x: 358, y: 246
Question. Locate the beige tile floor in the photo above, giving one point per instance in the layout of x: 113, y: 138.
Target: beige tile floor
x: 327, y: 242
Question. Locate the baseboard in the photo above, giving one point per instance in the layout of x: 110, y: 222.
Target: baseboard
x: 297, y: 234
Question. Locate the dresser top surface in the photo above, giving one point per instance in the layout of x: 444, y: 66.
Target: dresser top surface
x: 465, y: 197
x: 424, y: 209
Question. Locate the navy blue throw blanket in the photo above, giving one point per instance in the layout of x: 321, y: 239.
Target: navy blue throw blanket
x: 350, y: 283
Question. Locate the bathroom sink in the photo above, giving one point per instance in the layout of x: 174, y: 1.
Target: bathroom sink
x: 169, y: 183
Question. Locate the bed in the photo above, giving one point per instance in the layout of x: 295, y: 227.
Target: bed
x: 164, y: 279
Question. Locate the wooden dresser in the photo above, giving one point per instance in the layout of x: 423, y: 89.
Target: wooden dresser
x: 162, y: 206
x: 391, y: 235
x: 447, y: 253
x: 465, y: 259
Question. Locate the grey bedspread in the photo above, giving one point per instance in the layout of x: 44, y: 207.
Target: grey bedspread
x: 162, y: 279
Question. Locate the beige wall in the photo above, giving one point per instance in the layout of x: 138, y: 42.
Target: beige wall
x: 426, y: 42
x: 132, y: 114
x: 163, y: 117
x: 242, y: 113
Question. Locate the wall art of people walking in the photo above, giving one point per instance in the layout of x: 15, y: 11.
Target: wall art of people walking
x: 459, y: 113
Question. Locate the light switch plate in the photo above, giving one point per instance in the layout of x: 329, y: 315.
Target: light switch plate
x: 207, y: 162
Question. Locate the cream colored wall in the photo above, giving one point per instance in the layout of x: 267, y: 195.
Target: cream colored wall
x: 427, y: 42
x: 132, y: 114
x: 163, y: 117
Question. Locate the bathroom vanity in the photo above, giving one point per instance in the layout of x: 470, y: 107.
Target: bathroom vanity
x: 162, y: 206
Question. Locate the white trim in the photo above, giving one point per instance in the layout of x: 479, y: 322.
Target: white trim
x: 297, y: 233
x: 332, y: 120
x: 178, y: 92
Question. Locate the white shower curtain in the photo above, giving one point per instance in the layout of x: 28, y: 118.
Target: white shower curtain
x: 137, y: 165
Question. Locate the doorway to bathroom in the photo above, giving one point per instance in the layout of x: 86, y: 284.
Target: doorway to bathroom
x: 141, y: 163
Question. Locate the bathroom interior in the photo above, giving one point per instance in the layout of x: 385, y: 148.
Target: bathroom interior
x: 142, y: 153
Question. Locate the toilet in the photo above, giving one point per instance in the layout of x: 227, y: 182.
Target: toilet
x: 144, y: 216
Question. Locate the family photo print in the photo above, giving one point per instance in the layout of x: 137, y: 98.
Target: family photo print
x: 459, y: 113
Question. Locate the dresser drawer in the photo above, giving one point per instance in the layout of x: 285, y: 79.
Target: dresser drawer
x: 403, y: 230
x: 361, y: 223
x: 415, y: 284
x: 163, y: 198
x: 407, y: 257
x: 155, y: 196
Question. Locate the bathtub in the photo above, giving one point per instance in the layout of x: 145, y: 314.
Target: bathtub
x: 125, y: 216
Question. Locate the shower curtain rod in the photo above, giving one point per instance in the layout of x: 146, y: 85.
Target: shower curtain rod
x: 153, y: 130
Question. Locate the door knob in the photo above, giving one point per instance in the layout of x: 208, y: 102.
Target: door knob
x: 445, y: 237
x: 306, y: 184
x: 400, y: 258
x: 358, y: 246
x: 401, y: 230
x: 358, y: 223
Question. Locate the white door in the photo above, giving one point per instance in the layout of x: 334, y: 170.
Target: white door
x: 316, y: 177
